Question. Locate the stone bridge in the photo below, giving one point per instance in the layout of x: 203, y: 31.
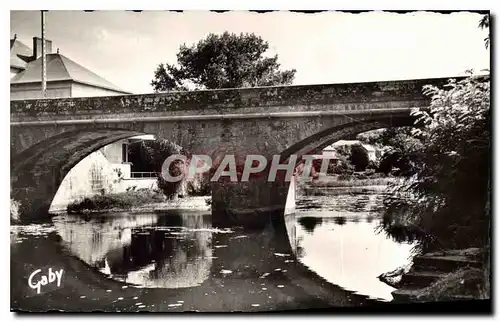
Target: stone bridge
x: 50, y: 136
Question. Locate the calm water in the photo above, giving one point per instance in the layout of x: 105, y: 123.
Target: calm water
x: 333, y: 237
x: 337, y: 237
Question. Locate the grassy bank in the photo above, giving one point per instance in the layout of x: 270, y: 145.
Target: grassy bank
x: 121, y: 201
x: 352, y: 182
x: 338, y: 185
x: 335, y: 191
x: 465, y: 283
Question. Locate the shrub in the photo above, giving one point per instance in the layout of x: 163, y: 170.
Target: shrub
x: 200, y: 186
x: 359, y: 158
x: 448, y: 193
x: 125, y: 201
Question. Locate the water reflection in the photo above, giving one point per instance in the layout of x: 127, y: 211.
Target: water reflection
x: 340, y: 242
x: 309, y: 223
x: 341, y: 204
x: 170, y: 250
x: 335, y: 238
x: 340, y: 220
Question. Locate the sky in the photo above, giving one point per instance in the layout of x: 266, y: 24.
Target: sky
x: 331, y: 47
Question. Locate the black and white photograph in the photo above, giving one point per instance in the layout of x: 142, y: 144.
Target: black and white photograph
x: 250, y: 161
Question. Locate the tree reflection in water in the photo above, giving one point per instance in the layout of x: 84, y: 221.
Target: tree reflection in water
x: 310, y: 223
x: 169, y: 250
x: 341, y: 220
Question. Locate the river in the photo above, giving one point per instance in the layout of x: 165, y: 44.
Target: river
x: 328, y: 253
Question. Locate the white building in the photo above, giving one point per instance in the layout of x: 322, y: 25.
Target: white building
x: 65, y: 78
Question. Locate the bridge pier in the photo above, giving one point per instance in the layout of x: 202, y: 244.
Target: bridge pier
x: 252, y: 205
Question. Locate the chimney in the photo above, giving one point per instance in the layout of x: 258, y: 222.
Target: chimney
x: 37, y: 47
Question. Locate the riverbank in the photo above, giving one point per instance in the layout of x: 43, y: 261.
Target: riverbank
x: 134, y: 202
x: 352, y: 181
x: 440, y: 276
x: 338, y: 185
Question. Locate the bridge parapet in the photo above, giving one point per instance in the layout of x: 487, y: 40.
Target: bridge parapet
x: 348, y: 96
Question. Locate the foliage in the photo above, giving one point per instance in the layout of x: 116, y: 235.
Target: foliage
x: 121, y: 201
x: 171, y: 188
x: 222, y: 61
x: 359, y: 157
x: 446, y: 196
x: 200, y: 186
x: 402, y: 150
x: 352, y: 181
x: 484, y: 23
x: 14, y: 210
x: 149, y: 155
x: 343, y: 166
x: 371, y: 167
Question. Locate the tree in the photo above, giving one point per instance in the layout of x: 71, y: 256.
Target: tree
x: 401, y: 149
x: 359, y: 157
x: 148, y: 156
x: 447, y: 196
x: 484, y: 23
x: 222, y: 61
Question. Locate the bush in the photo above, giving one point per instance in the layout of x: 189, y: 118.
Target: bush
x: 359, y: 176
x: 359, y: 158
x: 14, y: 210
x: 170, y: 188
x: 370, y: 172
x: 200, y: 186
x: 148, y: 156
x: 447, y: 196
x: 344, y: 177
x: 372, y: 166
x: 343, y: 168
x: 125, y: 201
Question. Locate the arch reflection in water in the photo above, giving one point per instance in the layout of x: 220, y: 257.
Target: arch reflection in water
x: 168, y: 250
x: 340, y: 242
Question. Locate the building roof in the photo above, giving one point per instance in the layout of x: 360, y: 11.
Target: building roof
x: 61, y: 68
x: 20, y: 54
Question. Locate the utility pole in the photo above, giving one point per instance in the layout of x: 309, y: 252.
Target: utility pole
x: 44, y: 58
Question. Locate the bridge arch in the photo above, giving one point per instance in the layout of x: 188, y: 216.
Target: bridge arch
x: 258, y: 202
x: 322, y: 139
x: 37, y: 172
x: 315, y: 143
